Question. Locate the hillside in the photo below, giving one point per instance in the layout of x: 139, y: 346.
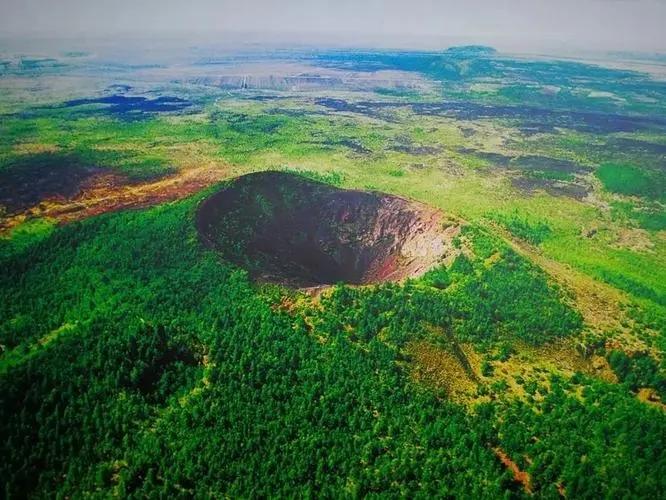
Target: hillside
x: 331, y: 273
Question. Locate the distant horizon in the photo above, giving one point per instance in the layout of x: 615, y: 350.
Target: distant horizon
x: 248, y: 42
x: 508, y: 25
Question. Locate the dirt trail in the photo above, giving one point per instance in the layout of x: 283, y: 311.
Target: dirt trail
x: 519, y: 476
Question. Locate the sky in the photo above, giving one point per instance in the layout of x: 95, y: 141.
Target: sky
x: 627, y: 25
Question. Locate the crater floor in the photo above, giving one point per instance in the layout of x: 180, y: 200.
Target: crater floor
x: 291, y: 230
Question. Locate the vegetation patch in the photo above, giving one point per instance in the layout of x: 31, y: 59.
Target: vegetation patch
x: 638, y: 371
x: 651, y: 217
x: 532, y: 232
x: 631, y: 180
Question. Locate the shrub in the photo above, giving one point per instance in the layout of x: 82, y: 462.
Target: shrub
x: 630, y: 180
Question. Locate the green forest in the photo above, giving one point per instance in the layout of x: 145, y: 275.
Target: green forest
x: 142, y: 364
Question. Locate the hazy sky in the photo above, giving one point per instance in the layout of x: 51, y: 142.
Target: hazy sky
x: 508, y: 24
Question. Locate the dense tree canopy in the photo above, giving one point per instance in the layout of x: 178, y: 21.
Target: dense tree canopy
x: 138, y: 363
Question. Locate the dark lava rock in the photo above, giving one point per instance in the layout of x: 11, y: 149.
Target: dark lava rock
x: 34, y: 178
x: 288, y: 229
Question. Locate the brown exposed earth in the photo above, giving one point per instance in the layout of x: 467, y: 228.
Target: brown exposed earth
x: 291, y: 230
x: 519, y: 476
x: 104, y: 191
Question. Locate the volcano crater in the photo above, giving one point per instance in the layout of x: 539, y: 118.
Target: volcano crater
x: 285, y: 228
